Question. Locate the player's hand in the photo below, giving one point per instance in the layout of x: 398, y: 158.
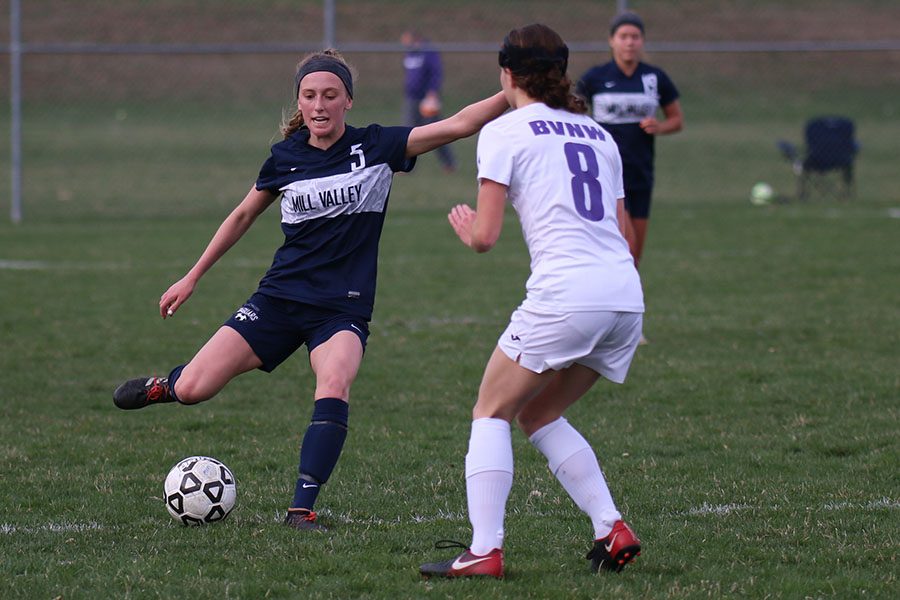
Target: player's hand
x: 430, y: 106
x: 175, y: 296
x: 461, y: 218
x: 650, y: 125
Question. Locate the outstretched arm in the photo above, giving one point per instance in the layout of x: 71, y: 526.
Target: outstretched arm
x: 463, y: 124
x: 230, y: 231
x: 480, y: 230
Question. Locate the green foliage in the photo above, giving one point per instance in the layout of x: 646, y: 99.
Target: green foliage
x: 753, y: 447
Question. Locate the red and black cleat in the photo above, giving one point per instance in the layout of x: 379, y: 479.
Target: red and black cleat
x: 616, y: 550
x: 301, y: 518
x: 141, y: 392
x: 466, y: 564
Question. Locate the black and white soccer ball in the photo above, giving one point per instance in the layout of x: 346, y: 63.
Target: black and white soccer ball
x: 200, y: 490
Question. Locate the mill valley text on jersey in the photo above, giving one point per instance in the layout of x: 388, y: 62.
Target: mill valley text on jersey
x: 332, y: 212
x: 305, y: 201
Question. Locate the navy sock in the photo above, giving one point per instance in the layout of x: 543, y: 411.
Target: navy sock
x: 173, y: 377
x: 321, y: 449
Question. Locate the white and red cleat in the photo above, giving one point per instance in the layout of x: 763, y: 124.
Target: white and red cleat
x: 466, y: 564
x: 616, y: 550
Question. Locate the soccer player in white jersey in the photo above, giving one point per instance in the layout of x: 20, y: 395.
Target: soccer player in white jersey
x: 333, y: 181
x: 582, y: 314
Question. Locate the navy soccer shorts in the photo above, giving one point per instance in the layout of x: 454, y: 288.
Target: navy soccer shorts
x: 275, y: 328
x: 637, y: 203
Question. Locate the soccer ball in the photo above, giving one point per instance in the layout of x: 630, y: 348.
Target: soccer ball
x: 199, y: 490
x: 761, y: 193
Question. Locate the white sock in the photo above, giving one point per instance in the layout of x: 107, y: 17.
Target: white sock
x: 575, y: 465
x: 489, y: 474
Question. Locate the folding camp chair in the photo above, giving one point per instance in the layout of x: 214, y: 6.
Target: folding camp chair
x: 830, y: 150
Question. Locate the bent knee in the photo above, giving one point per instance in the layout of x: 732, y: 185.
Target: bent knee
x: 333, y: 387
x: 189, y: 391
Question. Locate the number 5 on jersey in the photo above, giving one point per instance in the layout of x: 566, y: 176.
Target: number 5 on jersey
x: 357, y: 158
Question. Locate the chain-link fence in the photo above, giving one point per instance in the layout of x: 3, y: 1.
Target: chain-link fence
x: 135, y: 108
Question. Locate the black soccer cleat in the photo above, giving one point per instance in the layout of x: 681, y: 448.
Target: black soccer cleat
x: 616, y: 550
x: 301, y: 518
x: 141, y: 392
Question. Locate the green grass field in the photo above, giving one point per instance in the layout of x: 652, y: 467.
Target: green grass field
x: 754, y: 446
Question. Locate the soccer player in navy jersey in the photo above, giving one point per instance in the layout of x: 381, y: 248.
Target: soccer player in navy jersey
x: 333, y: 180
x: 625, y: 95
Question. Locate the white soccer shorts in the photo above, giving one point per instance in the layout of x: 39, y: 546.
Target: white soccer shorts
x: 604, y: 341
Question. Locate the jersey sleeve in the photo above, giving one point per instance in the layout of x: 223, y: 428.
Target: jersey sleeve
x: 668, y: 93
x: 495, y: 160
x: 583, y: 88
x: 394, y: 140
x: 268, y: 176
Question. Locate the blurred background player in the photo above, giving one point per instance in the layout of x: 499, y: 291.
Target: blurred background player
x: 582, y: 314
x: 333, y: 181
x: 423, y: 77
x: 624, y: 95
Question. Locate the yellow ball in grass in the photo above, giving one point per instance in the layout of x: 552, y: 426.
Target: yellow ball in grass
x: 761, y: 193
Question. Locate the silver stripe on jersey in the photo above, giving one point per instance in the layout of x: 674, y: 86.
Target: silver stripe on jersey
x: 364, y: 190
x: 624, y: 108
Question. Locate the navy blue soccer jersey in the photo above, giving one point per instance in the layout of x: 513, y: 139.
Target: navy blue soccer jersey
x: 620, y: 103
x: 333, y: 204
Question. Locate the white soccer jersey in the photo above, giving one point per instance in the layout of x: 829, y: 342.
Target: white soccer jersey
x: 564, y: 176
